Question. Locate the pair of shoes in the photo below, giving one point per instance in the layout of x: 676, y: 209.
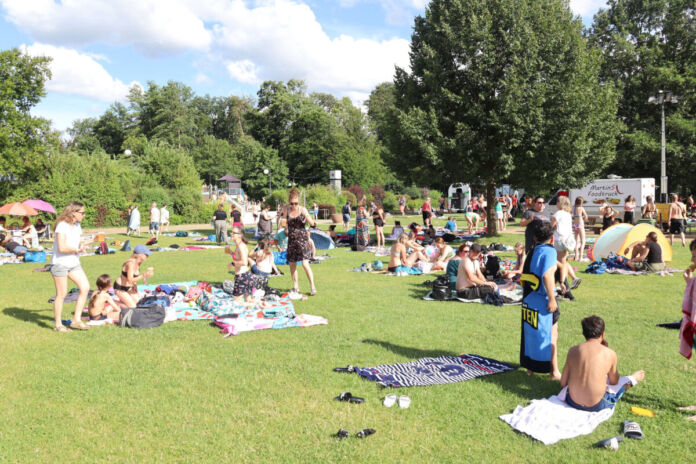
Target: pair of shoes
x: 61, y: 328
x: 632, y: 430
x: 343, y: 433
x: 390, y: 400
x: 79, y: 325
x: 576, y: 283
x: 349, y: 398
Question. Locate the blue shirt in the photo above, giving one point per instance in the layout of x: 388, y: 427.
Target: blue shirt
x: 451, y: 226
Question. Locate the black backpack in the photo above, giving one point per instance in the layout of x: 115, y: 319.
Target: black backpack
x: 492, y: 266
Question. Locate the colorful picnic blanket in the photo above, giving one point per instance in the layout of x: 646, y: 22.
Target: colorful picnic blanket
x: 433, y: 371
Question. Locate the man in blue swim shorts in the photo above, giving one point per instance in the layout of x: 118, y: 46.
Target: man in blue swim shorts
x: 589, y: 367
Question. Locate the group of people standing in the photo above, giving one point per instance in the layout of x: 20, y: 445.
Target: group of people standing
x: 159, y: 220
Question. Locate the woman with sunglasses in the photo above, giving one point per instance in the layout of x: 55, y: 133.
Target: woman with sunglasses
x: 299, y: 248
x: 65, y: 264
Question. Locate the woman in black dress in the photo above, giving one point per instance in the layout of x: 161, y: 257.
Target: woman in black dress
x: 299, y: 248
x: 378, y: 221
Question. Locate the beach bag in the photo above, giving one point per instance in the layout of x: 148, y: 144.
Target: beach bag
x: 148, y: 301
x: 102, y: 249
x: 181, y: 233
x: 447, y: 237
x: 126, y: 246
x: 142, y: 318
x: 218, y: 306
x: 228, y: 286
x: 596, y: 267
x: 152, y: 241
x: 35, y: 257
x: 615, y: 261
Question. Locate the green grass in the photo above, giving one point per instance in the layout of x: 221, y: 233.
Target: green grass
x: 183, y: 393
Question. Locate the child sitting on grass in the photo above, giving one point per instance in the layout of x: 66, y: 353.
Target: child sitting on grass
x: 101, y: 305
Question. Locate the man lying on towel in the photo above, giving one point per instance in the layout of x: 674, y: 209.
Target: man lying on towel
x: 589, y: 366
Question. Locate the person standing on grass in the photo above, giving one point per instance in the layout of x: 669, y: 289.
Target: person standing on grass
x: 134, y: 221
x: 65, y: 264
x: 563, y: 241
x: 649, y: 210
x: 129, y: 214
x: 608, y: 214
x: 427, y: 212
x: 579, y: 218
x: 688, y: 326
x: 243, y: 281
x: 629, y: 208
x: 677, y: 219
x: 499, y: 215
x: 531, y: 215
x: 154, y: 220
x: 299, y: 248
x: 378, y: 221
x: 164, y: 218
x: 402, y: 205
x: 345, y: 211
x: 265, y: 224
x: 590, y: 367
x: 540, y: 314
x: 220, y: 222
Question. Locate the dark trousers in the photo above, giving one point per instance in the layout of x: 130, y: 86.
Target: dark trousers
x: 474, y: 293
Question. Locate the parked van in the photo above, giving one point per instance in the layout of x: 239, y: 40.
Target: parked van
x: 458, y: 195
x: 614, y: 191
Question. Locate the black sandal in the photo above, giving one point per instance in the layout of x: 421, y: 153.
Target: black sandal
x: 346, y: 370
x: 365, y: 433
x: 348, y: 397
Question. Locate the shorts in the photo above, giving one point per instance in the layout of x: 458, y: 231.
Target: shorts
x: 499, y: 215
x: 677, y: 226
x: 608, y: 401
x: 649, y: 267
x: 476, y: 292
x: 19, y: 250
x: 59, y: 270
x: 566, y: 244
x: 426, y: 215
x: 346, y: 218
x: 154, y: 226
x: 243, y: 284
x: 378, y: 222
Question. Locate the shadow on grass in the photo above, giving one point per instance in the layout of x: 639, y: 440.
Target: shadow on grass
x: 409, y: 352
x: 30, y: 315
x: 418, y: 290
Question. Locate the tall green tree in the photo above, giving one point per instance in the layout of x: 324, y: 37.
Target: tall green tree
x: 504, y: 90
x: 23, y: 138
x: 650, y: 46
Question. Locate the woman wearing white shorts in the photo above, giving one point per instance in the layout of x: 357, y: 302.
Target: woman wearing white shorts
x: 65, y: 264
x: 563, y: 239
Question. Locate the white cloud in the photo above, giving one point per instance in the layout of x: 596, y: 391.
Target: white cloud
x: 586, y: 8
x: 243, y: 71
x: 78, y: 74
x: 154, y: 27
x: 202, y: 78
x: 284, y: 40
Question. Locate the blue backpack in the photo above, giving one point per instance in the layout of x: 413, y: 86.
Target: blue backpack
x: 181, y: 233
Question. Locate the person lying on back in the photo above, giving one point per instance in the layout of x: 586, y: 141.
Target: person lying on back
x: 11, y: 246
x: 588, y: 368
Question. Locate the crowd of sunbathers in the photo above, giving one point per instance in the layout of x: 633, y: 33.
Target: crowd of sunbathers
x: 28, y: 238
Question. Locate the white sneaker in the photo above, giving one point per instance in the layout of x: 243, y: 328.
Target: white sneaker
x: 293, y: 295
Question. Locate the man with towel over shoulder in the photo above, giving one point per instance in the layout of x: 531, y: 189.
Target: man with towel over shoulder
x: 539, y: 308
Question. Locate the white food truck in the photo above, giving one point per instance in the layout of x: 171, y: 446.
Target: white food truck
x: 614, y: 191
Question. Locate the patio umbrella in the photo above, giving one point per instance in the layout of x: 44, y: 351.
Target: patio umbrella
x: 18, y: 209
x: 40, y: 205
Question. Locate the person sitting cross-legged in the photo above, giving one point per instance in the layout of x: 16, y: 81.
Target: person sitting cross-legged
x: 471, y: 284
x: 590, y: 366
x: 650, y: 258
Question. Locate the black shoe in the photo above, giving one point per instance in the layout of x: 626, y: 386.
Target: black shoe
x: 341, y: 434
x: 569, y: 296
x: 576, y: 283
x: 365, y: 432
x: 347, y: 370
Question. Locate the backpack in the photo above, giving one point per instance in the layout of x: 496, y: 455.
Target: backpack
x: 596, y: 267
x: 102, y: 249
x: 615, y: 261
x: 126, y: 246
x: 492, y: 266
x: 441, y: 292
x: 148, y: 301
x: 143, y: 318
x: 449, y: 237
x: 181, y: 233
x: 152, y: 241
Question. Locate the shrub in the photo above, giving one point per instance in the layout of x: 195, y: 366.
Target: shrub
x: 390, y: 202
x: 424, y: 192
x: 412, y: 192
x: 155, y: 194
x: 435, y: 196
x: 414, y: 204
x: 377, y: 192
x: 349, y: 196
x: 357, y: 191
x: 321, y: 194
x: 277, y: 196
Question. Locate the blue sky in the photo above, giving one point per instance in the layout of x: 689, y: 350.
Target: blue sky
x: 219, y: 47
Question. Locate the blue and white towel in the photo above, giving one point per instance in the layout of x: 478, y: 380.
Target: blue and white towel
x: 433, y: 371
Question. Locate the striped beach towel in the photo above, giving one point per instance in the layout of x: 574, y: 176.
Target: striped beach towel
x: 433, y: 371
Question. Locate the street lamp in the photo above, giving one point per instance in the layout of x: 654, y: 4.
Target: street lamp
x: 268, y: 173
x: 660, y: 98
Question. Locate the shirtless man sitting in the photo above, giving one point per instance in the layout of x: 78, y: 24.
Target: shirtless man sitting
x: 589, y: 366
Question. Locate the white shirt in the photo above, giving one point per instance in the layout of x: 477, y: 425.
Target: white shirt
x: 564, y: 225
x: 164, y: 215
x: 154, y: 215
x: 72, y: 235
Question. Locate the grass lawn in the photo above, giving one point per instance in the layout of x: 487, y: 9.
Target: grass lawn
x: 183, y: 393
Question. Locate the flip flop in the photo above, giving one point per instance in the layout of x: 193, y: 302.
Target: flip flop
x: 61, y: 329
x: 341, y: 434
x: 404, y: 402
x: 390, y: 400
x: 365, y: 433
x: 79, y: 325
x: 612, y: 443
x: 346, y: 370
x: 632, y: 430
x: 348, y: 397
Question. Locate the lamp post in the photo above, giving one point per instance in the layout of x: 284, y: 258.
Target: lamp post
x: 268, y: 173
x: 660, y: 98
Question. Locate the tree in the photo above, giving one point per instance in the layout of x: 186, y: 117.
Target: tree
x: 254, y: 158
x: 504, y: 90
x: 649, y: 46
x: 23, y: 138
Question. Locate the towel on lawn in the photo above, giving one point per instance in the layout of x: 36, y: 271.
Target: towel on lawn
x: 668, y: 271
x: 510, y: 297
x: 551, y: 420
x: 433, y: 371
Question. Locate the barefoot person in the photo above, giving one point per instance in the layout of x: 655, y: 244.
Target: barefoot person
x: 65, y: 264
x: 299, y: 248
x: 677, y: 219
x: 101, y: 306
x: 686, y: 332
x: 243, y: 282
x: 590, y: 366
x: 126, y: 285
x: 539, y: 308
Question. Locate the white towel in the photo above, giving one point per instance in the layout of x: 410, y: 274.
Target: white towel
x: 551, y: 420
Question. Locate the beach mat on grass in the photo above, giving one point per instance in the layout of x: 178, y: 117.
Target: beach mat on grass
x: 433, y: 371
x: 511, y: 297
x: 667, y: 272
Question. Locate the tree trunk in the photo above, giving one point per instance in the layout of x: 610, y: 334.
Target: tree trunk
x: 490, y: 210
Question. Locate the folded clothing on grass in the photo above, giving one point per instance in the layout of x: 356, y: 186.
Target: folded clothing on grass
x: 551, y: 420
x: 433, y: 371
x: 667, y: 271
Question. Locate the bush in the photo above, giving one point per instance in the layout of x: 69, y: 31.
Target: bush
x: 357, y: 191
x: 414, y: 204
x: 349, y: 196
x: 156, y: 194
x: 277, y: 196
x: 390, y: 202
x: 435, y: 197
x: 412, y: 192
x: 321, y: 194
x: 377, y: 192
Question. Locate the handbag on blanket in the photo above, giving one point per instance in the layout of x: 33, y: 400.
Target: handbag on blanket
x: 148, y: 301
x: 441, y: 292
x: 143, y: 318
